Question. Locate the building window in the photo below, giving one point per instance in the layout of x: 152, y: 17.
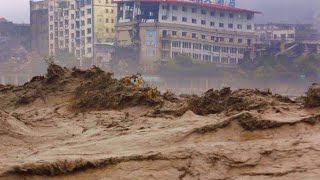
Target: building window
x: 249, y: 17
x: 194, y: 35
x: 197, y: 46
x: 176, y: 44
x: 241, y: 51
x: 249, y: 42
x: 231, y: 15
x: 196, y: 56
x: 174, y: 7
x: 107, y: 20
x: 216, y: 48
x: 231, y: 40
x: 212, y: 13
x: 203, y: 12
x: 221, y: 39
x: 107, y: 30
x: 89, y: 39
x: 239, y: 26
x: 82, y: 13
x: 203, y: 36
x: 184, y: 9
x: 249, y: 27
x: 89, y: 31
x: 203, y: 22
x: 194, y: 10
x: 88, y: 11
x: 239, y: 41
x: 164, y: 33
x: 186, y: 45
x: 184, y: 34
x: 207, y: 47
x: 222, y: 14
x: 230, y: 26
x: 89, y: 50
x: 167, y: 7
x: 225, y: 50
x: 221, y: 25
x: 89, y: 21
x: 112, y: 11
x: 112, y: 30
x: 212, y: 38
x: 233, y: 50
x: 107, y: 10
x: 112, y: 20
x: 184, y: 19
x: 194, y: 21
x: 174, y: 18
x: 164, y: 17
x: 72, y: 16
x: 174, y: 33
x: 212, y: 24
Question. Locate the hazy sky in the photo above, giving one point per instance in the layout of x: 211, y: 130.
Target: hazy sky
x: 299, y: 11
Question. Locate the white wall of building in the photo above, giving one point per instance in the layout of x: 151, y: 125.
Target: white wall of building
x: 237, y: 18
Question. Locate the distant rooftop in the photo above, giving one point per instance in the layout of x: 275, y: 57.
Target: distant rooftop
x: 2, y: 19
x: 194, y: 2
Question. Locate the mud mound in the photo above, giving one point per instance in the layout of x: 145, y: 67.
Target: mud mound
x: 105, y: 92
x: 313, y: 96
x: 9, y: 125
x: 217, y: 101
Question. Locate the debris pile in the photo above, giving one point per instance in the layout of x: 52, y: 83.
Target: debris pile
x: 313, y: 96
x: 105, y: 92
x: 217, y: 101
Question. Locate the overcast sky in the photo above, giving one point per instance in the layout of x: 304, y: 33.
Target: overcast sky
x: 293, y: 11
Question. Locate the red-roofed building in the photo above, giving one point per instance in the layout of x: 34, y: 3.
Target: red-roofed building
x: 159, y: 30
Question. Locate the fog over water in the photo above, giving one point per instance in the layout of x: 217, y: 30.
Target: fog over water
x: 286, y: 11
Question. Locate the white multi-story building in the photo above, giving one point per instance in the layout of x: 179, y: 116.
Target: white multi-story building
x: 76, y: 26
x: 206, y: 31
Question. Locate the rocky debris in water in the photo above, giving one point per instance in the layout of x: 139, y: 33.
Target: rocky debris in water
x: 312, y: 98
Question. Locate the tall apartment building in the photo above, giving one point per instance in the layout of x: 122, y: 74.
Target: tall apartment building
x: 77, y: 25
x: 205, y: 31
x: 39, y: 27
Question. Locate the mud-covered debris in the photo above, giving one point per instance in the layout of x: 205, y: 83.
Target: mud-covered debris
x: 87, y: 74
x: 217, y: 101
x: 106, y: 92
x: 55, y: 72
x: 312, y: 98
x: 170, y: 96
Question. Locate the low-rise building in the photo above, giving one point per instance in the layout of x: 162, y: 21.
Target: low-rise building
x: 14, y: 40
x: 162, y: 29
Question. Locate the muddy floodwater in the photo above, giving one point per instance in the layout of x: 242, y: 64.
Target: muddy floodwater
x: 76, y: 124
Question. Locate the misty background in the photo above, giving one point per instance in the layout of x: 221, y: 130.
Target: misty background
x: 277, y: 11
